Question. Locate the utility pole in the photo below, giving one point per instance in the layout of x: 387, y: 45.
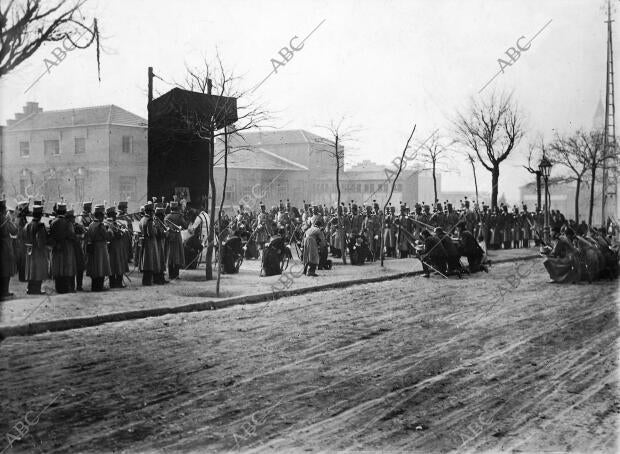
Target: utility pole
x: 610, y: 182
x: 150, y: 84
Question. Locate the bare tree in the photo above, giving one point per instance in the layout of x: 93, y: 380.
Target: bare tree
x: 491, y: 128
x: 26, y: 26
x: 207, y: 78
x: 435, y: 154
x: 472, y: 160
x: 334, y: 148
x: 401, y: 163
x: 532, y: 167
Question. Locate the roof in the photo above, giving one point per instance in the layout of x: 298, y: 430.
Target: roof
x: 280, y: 137
x: 84, y: 116
x: 259, y: 158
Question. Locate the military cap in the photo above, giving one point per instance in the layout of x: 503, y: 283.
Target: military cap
x: 2, y: 205
x: 99, y: 209
x: 61, y: 208
x: 70, y: 214
x: 37, y: 211
x: 122, y: 206
x: 175, y: 206
x: 159, y: 210
x: 86, y: 206
x: 110, y: 211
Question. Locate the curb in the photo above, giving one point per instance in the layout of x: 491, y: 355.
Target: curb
x: 94, y: 320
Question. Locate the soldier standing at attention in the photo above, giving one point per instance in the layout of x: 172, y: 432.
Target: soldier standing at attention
x: 35, y: 240
x: 20, y: 249
x: 75, y: 283
x: 149, y: 257
x: 7, y: 258
x: 161, y: 235
x: 176, y: 256
x: 98, y: 259
x: 84, y: 220
x: 63, y: 253
x: 117, y: 249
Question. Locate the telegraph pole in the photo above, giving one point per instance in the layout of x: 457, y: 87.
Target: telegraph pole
x: 610, y: 182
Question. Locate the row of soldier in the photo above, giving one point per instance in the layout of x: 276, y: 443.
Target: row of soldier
x: 100, y: 242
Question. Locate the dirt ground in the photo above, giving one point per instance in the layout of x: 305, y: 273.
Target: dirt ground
x: 494, y: 362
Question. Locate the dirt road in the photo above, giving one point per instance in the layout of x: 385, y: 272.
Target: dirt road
x: 499, y: 361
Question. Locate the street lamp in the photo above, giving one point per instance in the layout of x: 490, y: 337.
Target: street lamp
x: 545, y: 169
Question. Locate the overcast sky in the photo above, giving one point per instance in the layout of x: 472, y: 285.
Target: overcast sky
x: 385, y: 65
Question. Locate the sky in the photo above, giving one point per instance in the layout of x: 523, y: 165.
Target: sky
x: 382, y: 65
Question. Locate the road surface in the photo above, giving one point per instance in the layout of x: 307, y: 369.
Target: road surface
x: 498, y: 361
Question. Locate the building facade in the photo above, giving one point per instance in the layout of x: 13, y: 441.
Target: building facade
x: 298, y: 165
x: 93, y: 153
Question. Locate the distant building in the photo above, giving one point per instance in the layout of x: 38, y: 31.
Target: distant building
x: 97, y: 153
x: 270, y: 166
x: 563, y: 199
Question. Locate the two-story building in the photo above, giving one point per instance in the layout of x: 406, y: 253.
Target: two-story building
x: 92, y: 153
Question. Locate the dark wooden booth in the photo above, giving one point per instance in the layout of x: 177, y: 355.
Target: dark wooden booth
x: 179, y: 142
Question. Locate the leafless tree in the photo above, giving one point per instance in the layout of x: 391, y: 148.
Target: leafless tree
x: 536, y: 151
x: 472, y: 160
x: 435, y: 155
x: 491, y: 128
x: 334, y: 148
x: 213, y: 78
x: 402, y: 162
x: 26, y: 25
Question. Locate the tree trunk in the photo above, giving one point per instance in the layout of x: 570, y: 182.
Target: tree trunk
x: 538, y: 189
x: 343, y: 240
x: 494, y: 188
x: 473, y: 168
x: 577, y: 189
x: 435, y: 181
x: 209, y: 257
x: 592, y: 183
x: 219, y: 215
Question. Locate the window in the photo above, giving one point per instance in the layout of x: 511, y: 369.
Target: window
x: 80, y: 145
x: 127, y: 144
x: 230, y: 192
x: 358, y: 187
x: 51, y: 147
x: 365, y: 187
x: 24, y: 149
x: 23, y: 184
x: 372, y: 187
x: 79, y: 188
x: 127, y: 188
x: 399, y: 187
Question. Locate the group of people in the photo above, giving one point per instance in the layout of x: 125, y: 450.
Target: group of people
x: 99, y: 242
x: 167, y: 237
x: 575, y: 256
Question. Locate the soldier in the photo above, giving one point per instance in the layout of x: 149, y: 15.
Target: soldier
x: 98, y: 258
x: 125, y: 220
x: 21, y: 212
x: 84, y: 220
x: 161, y: 234
x: 75, y: 282
x: 176, y: 256
x: 313, y: 241
x: 434, y: 256
x: 356, y: 220
x: 149, y: 257
x: 63, y: 239
x: 117, y: 249
x: 35, y: 240
x: 389, y: 232
x: 452, y: 253
x: 7, y: 257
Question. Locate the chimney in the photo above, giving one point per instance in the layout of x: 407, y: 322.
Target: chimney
x: 19, y: 116
x: 31, y: 107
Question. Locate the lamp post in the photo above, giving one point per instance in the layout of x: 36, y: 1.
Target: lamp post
x: 545, y: 169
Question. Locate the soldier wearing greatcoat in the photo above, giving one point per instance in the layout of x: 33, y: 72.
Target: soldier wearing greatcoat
x: 149, y: 262
x: 35, y: 241
x: 117, y: 249
x: 63, y: 240
x: 83, y: 220
x: 161, y: 233
x: 21, y: 213
x: 176, y: 256
x: 7, y: 258
x: 98, y: 257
